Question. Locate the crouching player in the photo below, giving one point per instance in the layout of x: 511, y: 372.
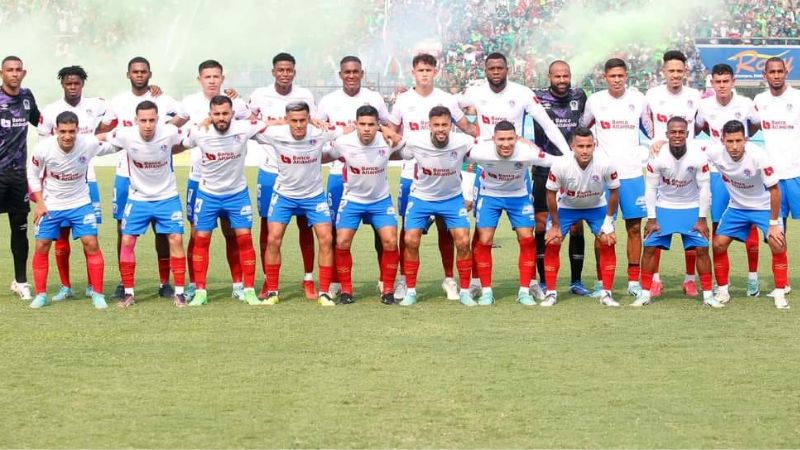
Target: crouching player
x: 580, y: 182
x: 57, y: 181
x: 755, y: 200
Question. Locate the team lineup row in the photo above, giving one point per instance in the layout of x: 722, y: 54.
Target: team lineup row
x: 292, y: 132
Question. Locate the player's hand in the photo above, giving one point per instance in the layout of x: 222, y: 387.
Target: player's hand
x: 775, y: 234
x: 155, y: 91
x: 468, y: 205
x: 391, y: 136
x: 553, y: 236
x: 322, y: 125
x: 702, y: 227
x: 650, y: 227
x: 231, y: 93
x: 399, y: 90
x: 41, y: 211
x: 655, y: 147
x: 608, y: 238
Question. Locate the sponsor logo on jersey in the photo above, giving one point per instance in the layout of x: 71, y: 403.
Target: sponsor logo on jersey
x: 662, y: 118
x: 5, y: 123
x: 605, y: 125
x: 246, y: 210
x: 285, y: 159
x: 177, y: 216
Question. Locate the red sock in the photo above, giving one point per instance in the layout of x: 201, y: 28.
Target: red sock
x: 263, y: 236
x: 647, y: 281
x: 234, y: 260
x: 62, y: 251
x: 705, y: 281
x: 178, y: 267
x: 527, y: 260
x: 690, y: 258
x: 247, y: 259
x: 608, y: 265
x: 722, y: 268
x: 344, y: 264
x: 200, y: 260
x: 780, y: 269
x: 401, y: 244
x: 325, y: 276
x: 474, y: 257
x: 483, y: 256
x: 41, y: 264
x: 751, y: 244
x: 551, y: 265
x: 389, y: 263
x: 634, y: 271
x: 447, y: 251
x: 96, y: 265
x: 273, y: 273
x: 412, y: 267
x: 127, y: 264
x: 189, y: 253
x: 306, y: 238
x: 464, y: 267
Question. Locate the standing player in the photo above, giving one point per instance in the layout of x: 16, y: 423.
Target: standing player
x: 122, y: 112
x: 210, y: 77
x: 17, y: 110
x: 90, y: 111
x: 581, y: 181
x: 223, y: 192
x: 153, y: 195
x: 678, y: 198
x: 366, y: 159
x: 615, y: 114
x: 664, y: 102
x: 565, y: 105
x: 714, y: 112
x: 410, y: 113
x: 57, y: 180
x: 755, y: 200
x: 269, y: 103
x: 777, y: 112
x: 436, y: 191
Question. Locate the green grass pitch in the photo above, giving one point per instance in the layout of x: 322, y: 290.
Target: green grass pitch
x: 674, y: 374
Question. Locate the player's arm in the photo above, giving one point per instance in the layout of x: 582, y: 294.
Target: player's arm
x: 468, y: 128
x: 35, y: 173
x: 35, y: 115
x: 607, y: 234
x: 587, y: 118
x: 703, y: 179
x: 540, y: 116
x: 650, y: 197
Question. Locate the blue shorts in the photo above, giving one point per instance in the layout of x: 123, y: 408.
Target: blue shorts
x: 379, y: 214
x: 94, y: 195
x: 403, y: 191
x: 234, y: 207
x: 736, y: 223
x: 281, y: 209
x: 680, y: 221
x: 191, y: 195
x: 120, y: 196
x: 451, y: 210
x: 790, y: 197
x: 81, y: 219
x: 518, y: 209
x: 166, y: 215
x: 266, y: 181
x: 720, y: 197
x: 594, y: 217
x: 631, y: 198
x: 335, y: 189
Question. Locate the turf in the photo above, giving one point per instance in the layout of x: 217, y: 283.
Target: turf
x: 437, y: 375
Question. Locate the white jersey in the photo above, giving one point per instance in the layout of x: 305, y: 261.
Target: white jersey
x: 339, y: 109
x: 505, y: 177
x: 150, y: 162
x: 222, y: 165
x: 616, y: 128
x: 663, y: 105
x: 197, y: 107
x: 365, y: 167
x: 747, y: 180
x: 582, y: 188
x: 122, y: 109
x: 411, y: 110
x: 267, y: 104
x: 438, y: 170
x: 299, y: 161
x: 90, y: 111
x: 61, y: 176
x: 780, y: 122
x: 677, y: 179
x: 715, y: 115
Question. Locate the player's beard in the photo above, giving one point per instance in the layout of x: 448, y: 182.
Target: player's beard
x: 221, y: 126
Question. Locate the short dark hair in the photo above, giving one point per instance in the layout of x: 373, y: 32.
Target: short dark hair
x: 582, y: 132
x: 504, y: 125
x: 555, y: 63
x: 297, y: 107
x: 496, y: 55
x: 146, y: 106
x: 283, y: 56
x: 674, y: 55
x: 775, y: 59
x: 722, y: 69
x: 220, y: 100
x: 137, y: 60
x: 733, y: 126
x: 439, y: 111
x: 10, y: 58
x: 67, y: 117
x: 72, y: 71
x: 613, y: 63
x: 677, y: 119
x: 425, y: 58
x: 349, y: 58
x: 367, y: 110
x: 209, y: 64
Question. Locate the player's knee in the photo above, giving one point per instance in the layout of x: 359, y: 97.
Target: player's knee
x: 634, y: 230
x: 776, y: 248
x: 325, y: 239
x: 90, y: 245
x: 343, y: 243
x: 718, y: 246
x: 274, y: 240
x: 42, y: 246
x: 389, y: 244
x: 18, y: 223
x: 412, y: 240
x: 462, y: 243
x: 175, y: 239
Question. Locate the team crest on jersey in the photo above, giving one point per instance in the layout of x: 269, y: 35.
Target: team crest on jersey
x: 512, y: 103
x: 631, y: 107
x: 737, y: 115
x: 453, y: 154
x: 382, y: 153
x: 690, y: 169
x: 747, y: 172
x: 312, y: 142
x: 595, y: 178
x: 89, y: 111
x: 690, y: 104
x: 518, y: 165
x: 237, y: 138
x: 573, y: 105
x: 26, y: 104
x: 789, y: 107
x: 164, y: 147
x: 82, y: 160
